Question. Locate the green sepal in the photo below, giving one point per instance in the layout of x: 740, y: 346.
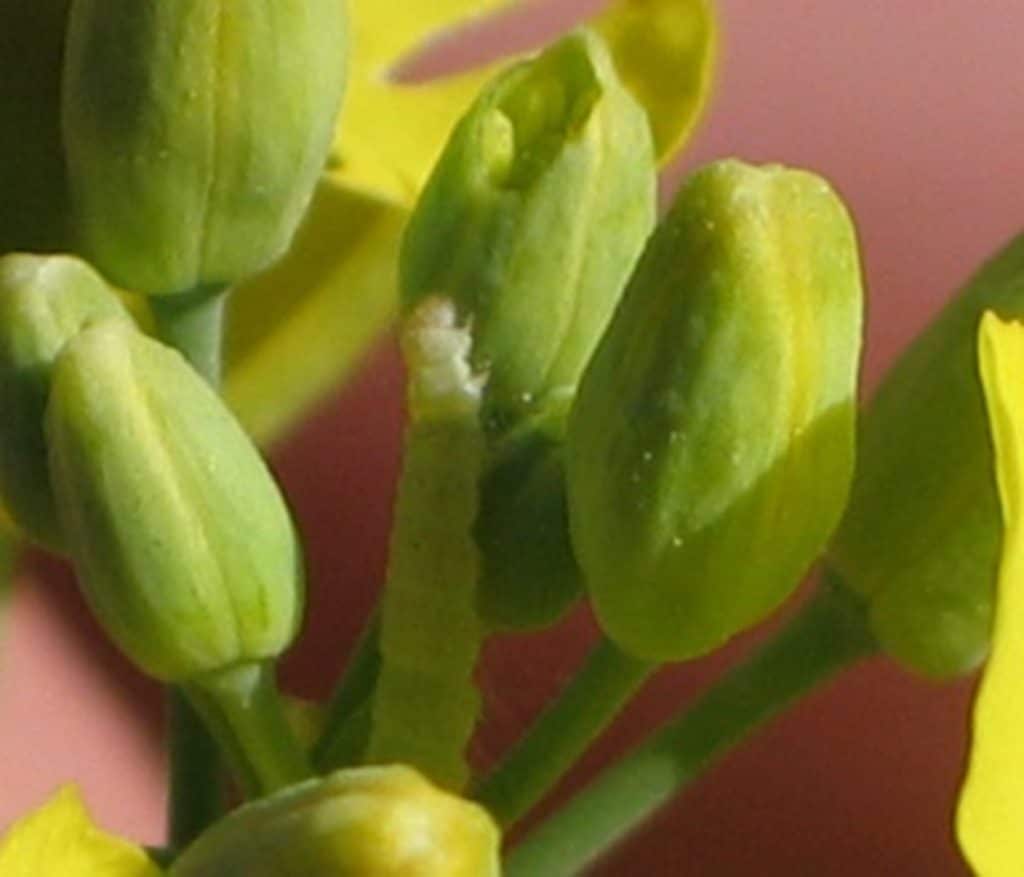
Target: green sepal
x: 711, y: 443
x: 44, y: 302
x: 196, y: 131
x: 529, y: 576
x: 920, y: 539
x: 184, y: 546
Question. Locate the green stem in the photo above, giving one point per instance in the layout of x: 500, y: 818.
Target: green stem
x: 347, y: 718
x: 563, y: 732
x: 193, y: 323
x: 347, y: 746
x: 828, y: 635
x: 243, y: 710
x: 194, y: 794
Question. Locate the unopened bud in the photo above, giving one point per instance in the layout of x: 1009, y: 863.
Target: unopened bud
x: 531, y: 223
x: 186, y: 551
x: 711, y: 442
x: 44, y: 302
x: 195, y: 132
x: 363, y: 822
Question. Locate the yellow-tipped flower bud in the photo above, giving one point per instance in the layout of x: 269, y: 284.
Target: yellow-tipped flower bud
x: 183, y: 543
x: 920, y: 539
x: 195, y: 132
x: 711, y: 442
x: 531, y: 222
x: 364, y: 822
x: 44, y: 302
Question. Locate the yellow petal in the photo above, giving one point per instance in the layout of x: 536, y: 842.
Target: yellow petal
x: 298, y: 328
x: 60, y: 840
x: 390, y: 133
x: 990, y: 814
x: 386, y: 30
x: 664, y: 51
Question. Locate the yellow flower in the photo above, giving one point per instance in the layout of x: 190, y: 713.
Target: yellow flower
x: 60, y: 840
x: 990, y: 814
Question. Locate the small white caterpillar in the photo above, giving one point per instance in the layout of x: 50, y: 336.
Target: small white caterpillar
x: 426, y: 703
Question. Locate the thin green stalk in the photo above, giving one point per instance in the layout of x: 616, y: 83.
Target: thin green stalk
x: 347, y: 719
x: 348, y: 745
x: 194, y: 791
x: 194, y: 325
x: 243, y: 710
x: 828, y: 635
x: 607, y: 680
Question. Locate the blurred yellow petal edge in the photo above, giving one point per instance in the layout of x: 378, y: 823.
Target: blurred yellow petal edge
x: 990, y: 812
x: 60, y: 840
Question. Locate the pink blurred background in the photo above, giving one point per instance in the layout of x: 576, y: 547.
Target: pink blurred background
x: 915, y: 110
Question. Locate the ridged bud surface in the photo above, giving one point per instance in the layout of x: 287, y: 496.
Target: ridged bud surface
x: 195, y: 131
x: 182, y: 541
x: 711, y: 442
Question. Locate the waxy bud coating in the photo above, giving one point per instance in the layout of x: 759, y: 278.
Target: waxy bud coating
x: 195, y: 132
x: 44, y: 302
x: 711, y: 442
x: 182, y: 541
x: 363, y: 822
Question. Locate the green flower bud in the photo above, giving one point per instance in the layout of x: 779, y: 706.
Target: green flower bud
x: 195, y: 132
x: 44, y: 302
x: 529, y: 574
x: 533, y: 219
x: 711, y: 443
x: 184, y: 546
x: 364, y: 822
x: 531, y: 223
x: 920, y: 539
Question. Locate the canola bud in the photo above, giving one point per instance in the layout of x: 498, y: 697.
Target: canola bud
x: 533, y: 219
x: 362, y: 822
x: 180, y: 537
x: 711, y: 444
x: 195, y: 132
x: 531, y: 222
x: 529, y: 574
x: 45, y: 301
x: 920, y: 539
